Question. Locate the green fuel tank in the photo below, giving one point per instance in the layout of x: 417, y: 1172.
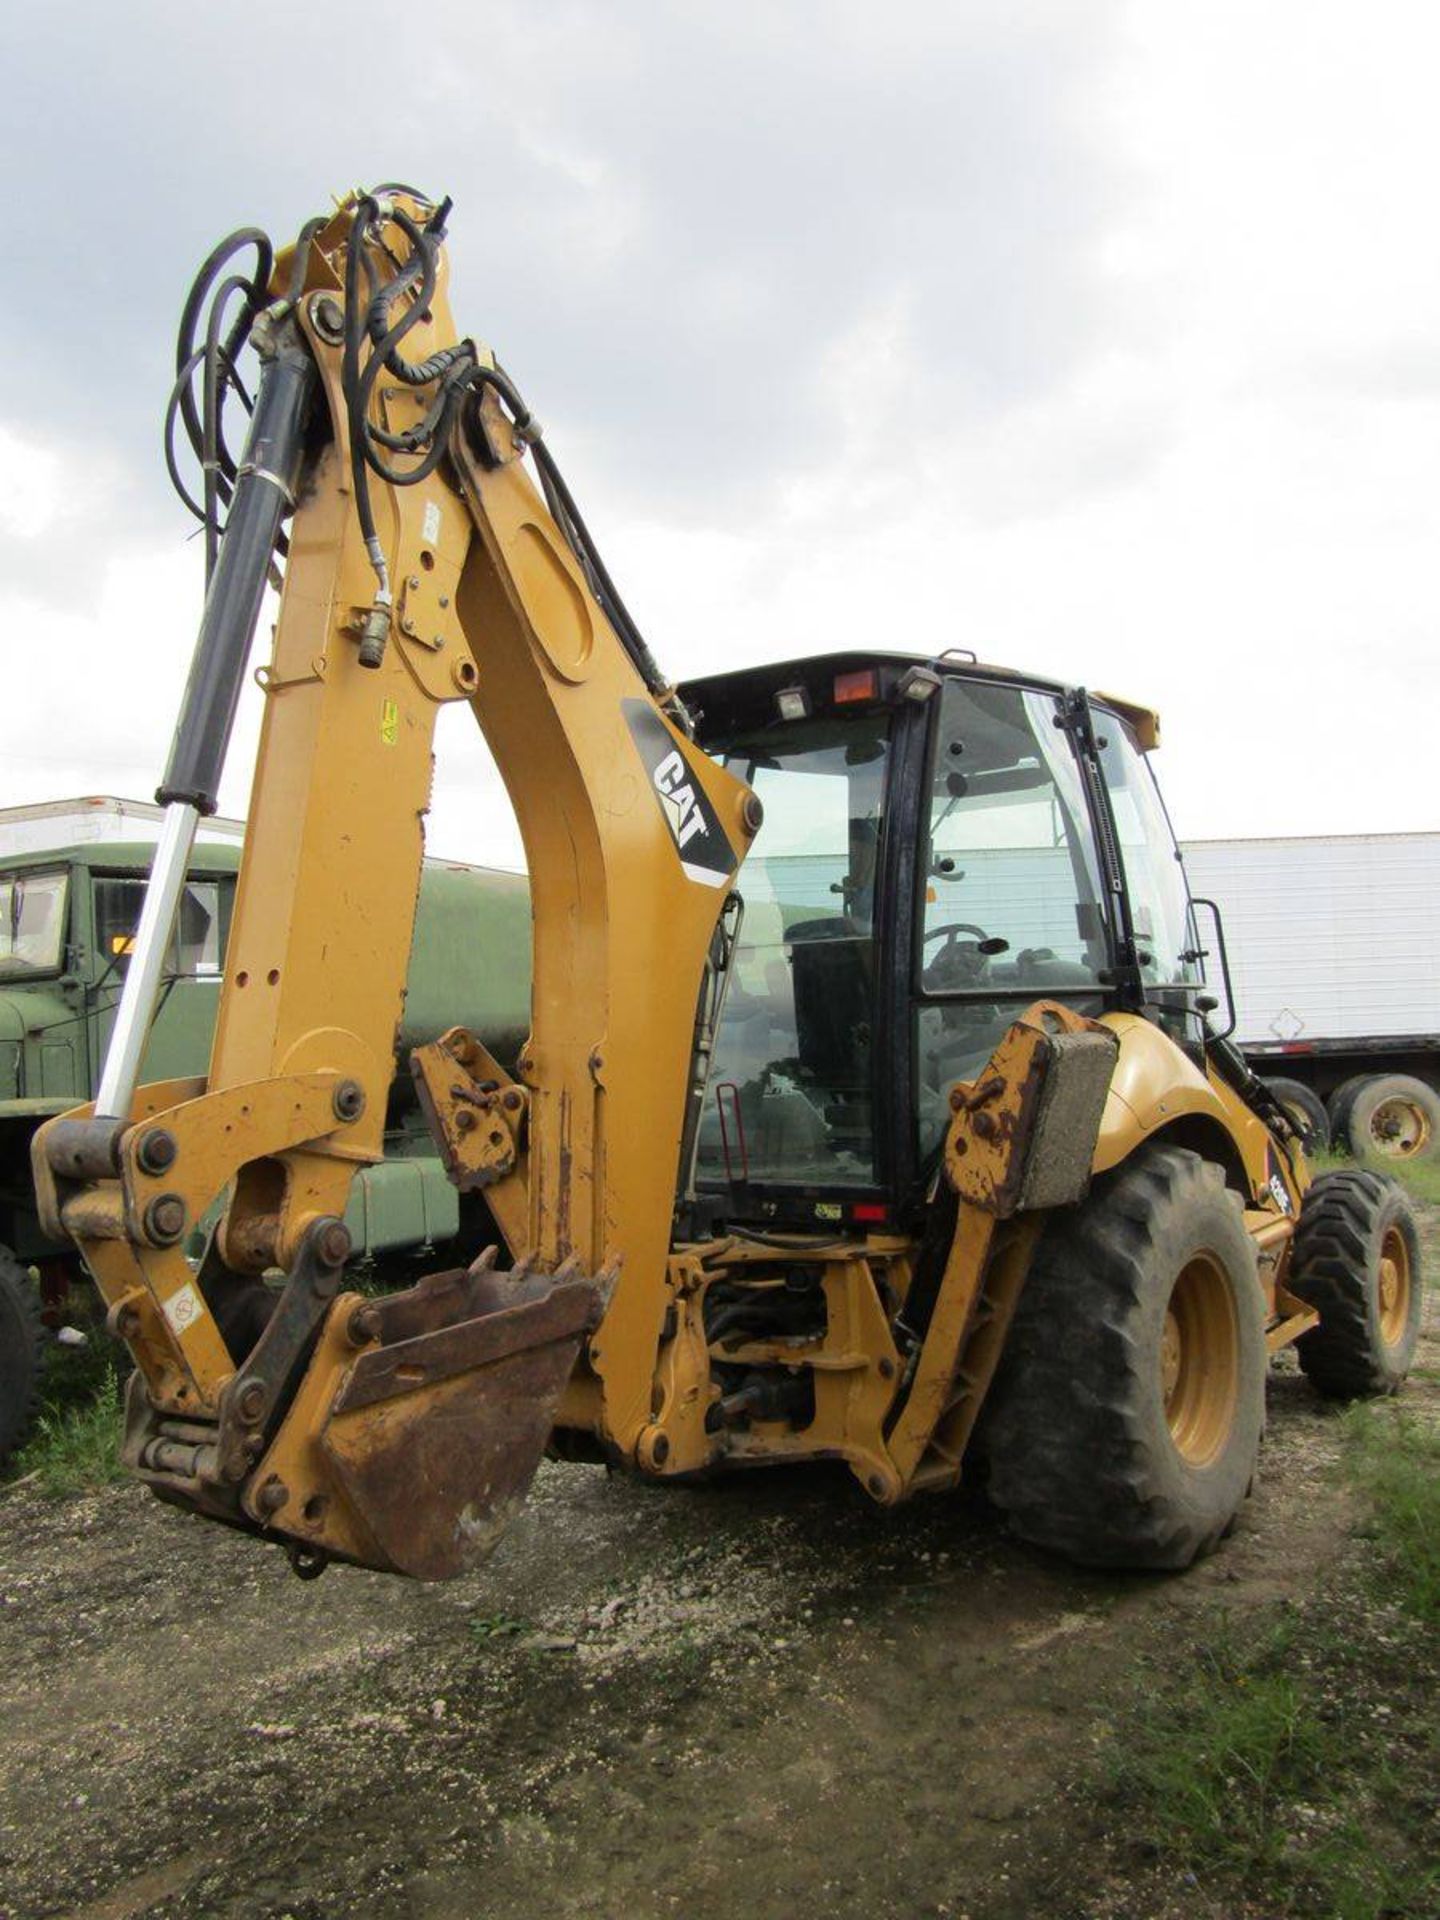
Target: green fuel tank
x: 469, y: 959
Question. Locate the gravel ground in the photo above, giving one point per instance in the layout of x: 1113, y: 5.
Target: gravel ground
x: 761, y: 1696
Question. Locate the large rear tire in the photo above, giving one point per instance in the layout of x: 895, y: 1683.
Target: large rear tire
x: 1124, y: 1425
x: 1357, y: 1262
x: 21, y: 1349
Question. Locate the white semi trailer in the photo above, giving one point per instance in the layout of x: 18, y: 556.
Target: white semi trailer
x: 94, y: 817
x: 1334, y: 965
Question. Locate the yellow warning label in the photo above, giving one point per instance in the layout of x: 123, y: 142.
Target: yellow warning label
x: 390, y: 723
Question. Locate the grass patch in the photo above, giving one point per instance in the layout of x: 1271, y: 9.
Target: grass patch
x: 1393, y: 1455
x: 76, y: 1444
x: 1287, y: 1762
x: 1290, y: 1765
x: 1211, y: 1767
x: 1420, y: 1178
x: 73, y: 1376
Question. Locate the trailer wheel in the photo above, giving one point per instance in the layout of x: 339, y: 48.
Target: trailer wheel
x: 1393, y: 1117
x: 1356, y: 1260
x: 1302, y: 1103
x: 21, y: 1347
x: 1339, y: 1105
x: 1124, y: 1425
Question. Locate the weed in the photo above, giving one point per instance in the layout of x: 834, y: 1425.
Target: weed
x: 689, y: 1652
x: 497, y: 1626
x: 76, y: 1446
x: 1393, y: 1455
x: 1213, y: 1763
x: 1293, y: 1763
x: 1422, y: 1177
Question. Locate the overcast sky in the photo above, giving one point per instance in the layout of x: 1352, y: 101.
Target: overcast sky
x: 1101, y: 338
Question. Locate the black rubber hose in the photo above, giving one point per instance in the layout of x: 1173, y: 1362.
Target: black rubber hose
x: 218, y: 371
x: 304, y: 241
x: 617, y: 612
x: 423, y: 265
x: 366, y: 210
x: 359, y: 382
x: 430, y: 438
x: 209, y: 272
x: 385, y: 339
x: 171, y: 410
x: 453, y: 367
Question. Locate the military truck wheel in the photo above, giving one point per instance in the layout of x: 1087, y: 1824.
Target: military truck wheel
x: 1124, y: 1425
x: 21, y: 1347
x: 1356, y: 1260
x: 1306, y: 1106
x: 1393, y: 1117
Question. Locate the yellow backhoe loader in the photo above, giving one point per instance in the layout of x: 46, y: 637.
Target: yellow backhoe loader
x: 868, y: 1113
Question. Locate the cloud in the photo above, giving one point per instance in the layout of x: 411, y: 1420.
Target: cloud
x: 666, y: 221
x: 1097, y: 339
x: 93, y: 709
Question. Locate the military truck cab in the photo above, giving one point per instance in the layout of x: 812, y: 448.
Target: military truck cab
x: 68, y: 926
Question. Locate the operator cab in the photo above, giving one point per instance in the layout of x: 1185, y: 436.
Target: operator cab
x: 943, y: 844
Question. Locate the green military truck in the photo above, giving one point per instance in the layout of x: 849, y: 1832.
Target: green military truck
x: 72, y: 879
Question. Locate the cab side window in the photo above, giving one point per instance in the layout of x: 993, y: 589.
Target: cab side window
x: 1011, y: 902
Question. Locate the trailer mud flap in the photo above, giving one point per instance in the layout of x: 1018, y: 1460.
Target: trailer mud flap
x: 436, y: 1431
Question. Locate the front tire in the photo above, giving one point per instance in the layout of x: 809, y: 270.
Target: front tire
x: 1124, y: 1425
x: 1357, y: 1262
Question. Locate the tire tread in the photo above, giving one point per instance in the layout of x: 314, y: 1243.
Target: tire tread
x: 1068, y: 1437
x: 1336, y: 1237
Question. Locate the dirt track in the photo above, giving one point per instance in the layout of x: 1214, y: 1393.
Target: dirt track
x: 762, y: 1697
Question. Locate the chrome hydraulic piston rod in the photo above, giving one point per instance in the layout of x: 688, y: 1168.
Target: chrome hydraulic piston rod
x: 264, y: 494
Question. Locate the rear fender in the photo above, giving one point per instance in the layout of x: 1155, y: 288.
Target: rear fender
x: 1157, y: 1091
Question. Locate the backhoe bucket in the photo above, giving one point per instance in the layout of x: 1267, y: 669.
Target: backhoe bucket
x: 431, y: 1436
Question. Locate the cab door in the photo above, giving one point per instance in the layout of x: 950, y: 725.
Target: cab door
x: 1012, y: 905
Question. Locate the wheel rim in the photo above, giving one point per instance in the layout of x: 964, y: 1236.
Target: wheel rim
x: 1394, y: 1287
x: 1399, y: 1127
x: 1200, y: 1361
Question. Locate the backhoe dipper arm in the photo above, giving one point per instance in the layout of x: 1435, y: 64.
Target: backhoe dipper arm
x: 423, y: 567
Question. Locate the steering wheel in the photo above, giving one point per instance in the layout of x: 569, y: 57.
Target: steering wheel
x: 947, y: 969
